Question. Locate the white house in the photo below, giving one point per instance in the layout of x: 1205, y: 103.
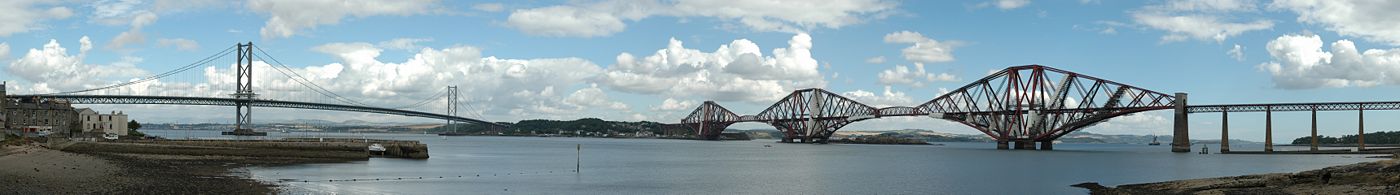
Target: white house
x: 114, y: 123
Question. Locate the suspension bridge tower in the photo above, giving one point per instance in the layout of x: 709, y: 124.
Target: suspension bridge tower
x: 244, y: 94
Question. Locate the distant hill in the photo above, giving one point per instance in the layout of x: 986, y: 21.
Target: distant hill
x: 1385, y: 137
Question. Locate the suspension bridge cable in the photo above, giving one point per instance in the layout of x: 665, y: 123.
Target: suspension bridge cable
x: 199, y: 63
x: 425, y: 101
x: 313, y: 86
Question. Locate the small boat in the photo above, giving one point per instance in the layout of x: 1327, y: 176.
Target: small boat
x: 1154, y: 142
x: 109, y: 136
x: 767, y: 146
x: 376, y: 148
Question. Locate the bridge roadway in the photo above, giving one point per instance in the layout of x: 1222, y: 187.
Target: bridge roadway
x: 212, y: 101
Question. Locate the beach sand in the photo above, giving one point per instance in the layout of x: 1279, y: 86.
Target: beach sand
x: 33, y: 169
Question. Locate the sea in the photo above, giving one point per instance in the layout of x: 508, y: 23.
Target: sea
x: 565, y: 165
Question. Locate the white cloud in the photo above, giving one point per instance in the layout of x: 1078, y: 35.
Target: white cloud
x: 287, y: 18
x: 1237, y: 53
x: 179, y: 44
x: 1299, y: 62
x: 1370, y: 20
x: 4, y: 51
x: 404, y: 43
x: 565, y: 21
x: 1005, y: 4
x: 924, y: 49
x: 875, y: 60
x: 593, y: 97
x: 734, y: 72
x: 1143, y: 123
x: 887, y: 99
x: 134, y: 34
x: 916, y: 77
x: 489, y: 7
x: 24, y: 16
x: 603, y: 18
x: 671, y: 104
x: 52, y: 67
x: 1200, y: 19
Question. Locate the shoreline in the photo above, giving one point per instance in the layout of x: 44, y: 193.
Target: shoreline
x: 1376, y: 177
x: 41, y: 169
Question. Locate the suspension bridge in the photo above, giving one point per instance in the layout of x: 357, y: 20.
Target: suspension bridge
x: 182, y: 86
x: 1018, y: 107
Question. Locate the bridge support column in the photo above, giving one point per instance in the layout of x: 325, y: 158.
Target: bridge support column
x: 1047, y: 145
x: 1268, y: 129
x: 1360, y: 128
x: 1181, y: 140
x: 1003, y: 145
x: 1314, y: 128
x: 1225, y: 130
x: 1024, y: 145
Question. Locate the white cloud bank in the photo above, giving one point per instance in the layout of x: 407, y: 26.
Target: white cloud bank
x: 1370, y: 20
x: 1300, y: 62
x: 1215, y: 20
x: 737, y: 71
x: 603, y: 18
x: 287, y: 18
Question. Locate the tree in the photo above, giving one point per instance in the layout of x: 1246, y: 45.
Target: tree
x: 132, y: 127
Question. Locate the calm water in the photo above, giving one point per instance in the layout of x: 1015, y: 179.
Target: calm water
x: 652, y: 166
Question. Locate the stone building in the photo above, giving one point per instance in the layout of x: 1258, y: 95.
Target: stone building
x: 35, y: 115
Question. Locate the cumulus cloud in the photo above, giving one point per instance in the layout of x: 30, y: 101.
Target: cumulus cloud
x: 916, y: 77
x: 489, y: 7
x: 1005, y: 4
x: 4, y: 50
x: 1299, y: 62
x: 1237, y: 53
x: 404, y: 43
x: 1200, y: 19
x: 887, y: 99
x: 52, y: 67
x: 603, y: 18
x: 1370, y: 20
x: 179, y: 44
x: 875, y: 60
x: 593, y: 97
x: 737, y: 71
x: 24, y: 16
x: 1143, y: 123
x: 923, y: 49
x: 134, y: 34
x: 671, y: 104
x: 287, y: 18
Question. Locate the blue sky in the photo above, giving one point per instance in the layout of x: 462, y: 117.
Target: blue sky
x: 571, y: 59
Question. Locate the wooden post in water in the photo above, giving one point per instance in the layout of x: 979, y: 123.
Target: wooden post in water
x: 1224, y: 130
x: 1268, y: 129
x: 1314, y: 128
x: 578, y: 158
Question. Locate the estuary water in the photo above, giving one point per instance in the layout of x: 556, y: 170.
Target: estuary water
x: 540, y: 165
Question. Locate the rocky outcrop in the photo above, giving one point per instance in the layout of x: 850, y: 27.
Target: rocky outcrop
x: 1380, y: 177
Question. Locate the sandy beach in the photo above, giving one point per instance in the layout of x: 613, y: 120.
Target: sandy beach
x: 32, y: 169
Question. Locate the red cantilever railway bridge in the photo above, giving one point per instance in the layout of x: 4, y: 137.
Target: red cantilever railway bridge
x: 1020, y: 105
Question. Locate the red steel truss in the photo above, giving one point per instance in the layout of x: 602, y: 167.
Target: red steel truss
x: 1021, y: 103
x: 1039, y: 103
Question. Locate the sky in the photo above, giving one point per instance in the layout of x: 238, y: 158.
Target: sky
x: 658, y: 60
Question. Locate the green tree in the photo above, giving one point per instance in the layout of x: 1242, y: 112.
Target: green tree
x: 132, y: 127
